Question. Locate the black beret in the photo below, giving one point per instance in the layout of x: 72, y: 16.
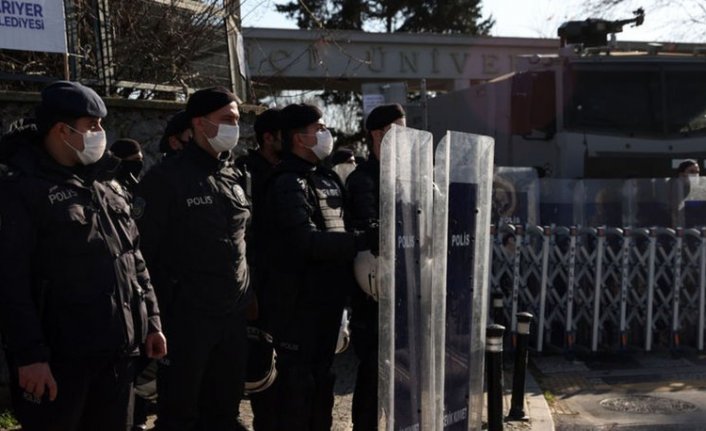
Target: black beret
x: 341, y: 156
x: 66, y: 99
x: 383, y: 116
x: 298, y: 115
x: 175, y: 126
x: 268, y: 121
x: 124, y: 148
x: 205, y: 101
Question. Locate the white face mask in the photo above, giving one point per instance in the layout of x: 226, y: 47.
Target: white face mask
x: 94, y: 144
x: 324, y: 144
x: 226, y: 138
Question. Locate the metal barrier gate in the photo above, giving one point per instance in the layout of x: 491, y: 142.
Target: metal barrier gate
x: 603, y: 288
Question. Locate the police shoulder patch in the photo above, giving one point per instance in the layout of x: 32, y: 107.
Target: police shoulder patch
x: 117, y: 188
x: 239, y: 194
x: 138, y: 207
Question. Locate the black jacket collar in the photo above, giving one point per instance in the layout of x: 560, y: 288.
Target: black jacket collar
x: 203, y: 159
x: 293, y: 163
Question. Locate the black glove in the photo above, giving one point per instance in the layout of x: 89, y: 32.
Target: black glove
x: 368, y: 239
x: 372, y: 236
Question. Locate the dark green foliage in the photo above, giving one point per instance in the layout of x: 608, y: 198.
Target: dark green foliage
x: 437, y: 16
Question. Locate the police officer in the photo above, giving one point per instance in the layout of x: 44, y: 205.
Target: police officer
x: 309, y: 264
x: 363, y: 206
x: 131, y: 158
x: 255, y: 168
x: 176, y: 134
x: 192, y: 215
x: 75, y: 298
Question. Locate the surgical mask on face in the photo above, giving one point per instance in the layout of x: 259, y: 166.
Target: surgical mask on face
x: 226, y: 138
x: 694, y: 181
x: 94, y: 144
x: 324, y: 144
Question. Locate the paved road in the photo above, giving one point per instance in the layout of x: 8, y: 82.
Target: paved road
x: 629, y: 391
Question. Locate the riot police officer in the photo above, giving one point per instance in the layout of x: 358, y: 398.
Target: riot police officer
x: 255, y: 168
x: 309, y: 264
x: 192, y: 216
x: 363, y: 206
x: 75, y: 297
x: 176, y: 134
x: 132, y: 161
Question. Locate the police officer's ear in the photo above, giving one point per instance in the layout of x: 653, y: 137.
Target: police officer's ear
x: 299, y: 139
x: 196, y: 125
x: 276, y: 141
x: 377, y: 135
x: 61, y: 130
x: 268, y: 138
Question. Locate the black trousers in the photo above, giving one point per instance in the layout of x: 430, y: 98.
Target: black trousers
x: 262, y: 404
x: 93, y: 394
x: 201, y: 383
x: 141, y: 409
x: 365, y: 395
x: 302, y: 396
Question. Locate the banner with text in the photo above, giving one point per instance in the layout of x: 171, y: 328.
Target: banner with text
x: 36, y: 25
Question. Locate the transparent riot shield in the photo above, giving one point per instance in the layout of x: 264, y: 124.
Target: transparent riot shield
x: 601, y: 203
x: 463, y: 183
x: 557, y: 201
x: 650, y: 202
x: 406, y: 377
x: 689, y: 205
x: 515, y: 196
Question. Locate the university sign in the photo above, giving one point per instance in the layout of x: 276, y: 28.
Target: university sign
x: 36, y: 25
x: 446, y: 61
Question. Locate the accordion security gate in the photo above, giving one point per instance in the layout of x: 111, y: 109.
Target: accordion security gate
x: 603, y: 288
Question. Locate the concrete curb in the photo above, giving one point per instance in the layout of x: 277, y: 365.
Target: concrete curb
x: 540, y: 415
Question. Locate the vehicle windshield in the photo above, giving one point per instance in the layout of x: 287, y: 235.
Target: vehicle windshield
x: 637, y: 99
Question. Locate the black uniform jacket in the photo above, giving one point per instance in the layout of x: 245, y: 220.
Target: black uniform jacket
x: 192, y: 216
x: 254, y: 171
x: 363, y: 197
x: 73, y: 282
x: 310, y: 253
x: 363, y: 206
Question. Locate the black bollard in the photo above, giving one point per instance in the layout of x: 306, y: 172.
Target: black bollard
x: 494, y: 375
x: 517, y: 404
x: 498, y: 308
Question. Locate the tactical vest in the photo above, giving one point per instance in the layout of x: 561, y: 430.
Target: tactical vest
x: 326, y: 194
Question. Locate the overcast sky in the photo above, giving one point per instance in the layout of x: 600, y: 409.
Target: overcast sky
x: 519, y: 18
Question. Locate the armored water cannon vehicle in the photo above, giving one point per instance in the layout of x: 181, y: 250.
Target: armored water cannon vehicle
x: 593, y: 32
x: 595, y: 109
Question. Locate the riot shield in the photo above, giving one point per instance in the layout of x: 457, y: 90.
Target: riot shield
x: 515, y: 196
x: 650, y: 202
x: 463, y: 181
x: 406, y: 377
x: 601, y: 203
x: 557, y: 201
x: 689, y: 205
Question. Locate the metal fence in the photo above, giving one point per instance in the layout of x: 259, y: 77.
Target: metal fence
x: 603, y: 288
